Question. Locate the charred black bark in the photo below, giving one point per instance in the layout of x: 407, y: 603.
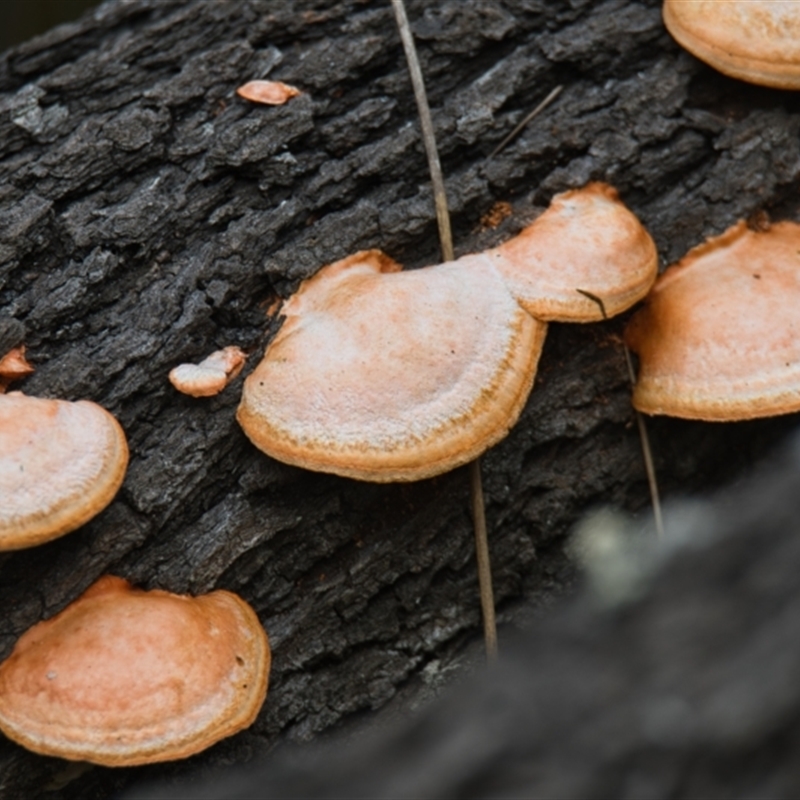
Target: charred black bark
x: 147, y: 214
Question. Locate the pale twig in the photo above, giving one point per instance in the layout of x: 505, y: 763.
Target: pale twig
x: 536, y: 111
x: 446, y: 239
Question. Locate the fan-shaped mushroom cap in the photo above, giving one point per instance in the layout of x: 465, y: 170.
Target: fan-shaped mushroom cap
x: 60, y: 464
x: 753, y: 40
x: 719, y: 337
x: 384, y: 375
x: 211, y: 375
x: 124, y: 677
x: 586, y: 241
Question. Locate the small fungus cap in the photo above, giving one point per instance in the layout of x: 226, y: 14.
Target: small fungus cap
x: 61, y: 463
x: 13, y: 366
x: 124, y: 677
x: 752, y: 40
x: 383, y: 375
x: 211, y: 375
x: 719, y: 336
x: 586, y: 243
x: 271, y: 93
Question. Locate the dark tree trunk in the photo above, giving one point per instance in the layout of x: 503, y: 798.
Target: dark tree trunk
x: 147, y: 215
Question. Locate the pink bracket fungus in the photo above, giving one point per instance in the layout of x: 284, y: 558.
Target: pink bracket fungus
x: 719, y: 336
x: 124, y: 677
x: 61, y: 463
x: 384, y: 375
x: 211, y: 375
x: 271, y: 93
x: 586, y: 243
x: 753, y: 40
x: 13, y: 366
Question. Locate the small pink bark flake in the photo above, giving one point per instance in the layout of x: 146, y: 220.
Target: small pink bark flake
x: 211, y: 375
x: 271, y: 93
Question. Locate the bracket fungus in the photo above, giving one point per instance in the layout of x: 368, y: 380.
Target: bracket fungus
x: 124, y: 677
x: 211, y: 375
x: 61, y: 463
x: 13, y: 366
x: 719, y: 336
x: 753, y: 40
x: 386, y: 375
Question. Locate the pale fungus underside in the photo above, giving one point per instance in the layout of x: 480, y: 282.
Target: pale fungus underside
x: 719, y: 336
x: 754, y: 40
x: 124, y: 677
x: 61, y: 463
x: 384, y: 375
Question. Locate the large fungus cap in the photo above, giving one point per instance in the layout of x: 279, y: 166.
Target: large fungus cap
x: 61, y: 463
x: 719, y: 337
x: 587, y: 244
x: 124, y: 677
x: 384, y: 375
x: 753, y: 40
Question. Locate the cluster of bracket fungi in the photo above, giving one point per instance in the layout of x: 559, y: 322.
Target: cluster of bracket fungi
x: 381, y: 374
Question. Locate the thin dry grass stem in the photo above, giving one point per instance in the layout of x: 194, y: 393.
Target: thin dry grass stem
x: 446, y: 239
x: 536, y: 111
x: 647, y: 453
x: 428, y: 136
x: 484, y: 565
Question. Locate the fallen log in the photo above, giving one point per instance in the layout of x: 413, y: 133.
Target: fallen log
x: 149, y: 216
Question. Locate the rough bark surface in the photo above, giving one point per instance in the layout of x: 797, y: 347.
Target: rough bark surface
x: 681, y: 682
x: 148, y: 216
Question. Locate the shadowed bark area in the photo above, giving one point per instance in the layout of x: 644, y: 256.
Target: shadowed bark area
x: 149, y: 216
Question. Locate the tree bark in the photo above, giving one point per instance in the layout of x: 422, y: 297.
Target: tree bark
x: 148, y: 216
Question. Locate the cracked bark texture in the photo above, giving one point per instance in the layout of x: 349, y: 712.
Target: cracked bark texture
x: 674, y: 678
x: 149, y: 216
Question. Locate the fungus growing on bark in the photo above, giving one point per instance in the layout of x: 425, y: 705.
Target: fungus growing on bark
x: 271, y: 93
x: 124, y: 677
x: 13, y: 366
x: 211, y: 375
x: 586, y: 243
x: 754, y: 40
x: 61, y: 463
x: 384, y: 375
x: 719, y: 336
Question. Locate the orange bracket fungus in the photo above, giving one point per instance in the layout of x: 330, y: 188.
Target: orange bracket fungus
x: 754, y: 40
x: 13, y: 366
x: 211, y: 375
x: 271, y: 93
x: 719, y: 336
x: 384, y: 375
x: 61, y: 463
x: 586, y: 243
x: 124, y: 677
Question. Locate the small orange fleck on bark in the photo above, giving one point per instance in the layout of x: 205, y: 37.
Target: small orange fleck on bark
x: 496, y: 214
x: 13, y: 366
x: 271, y: 93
